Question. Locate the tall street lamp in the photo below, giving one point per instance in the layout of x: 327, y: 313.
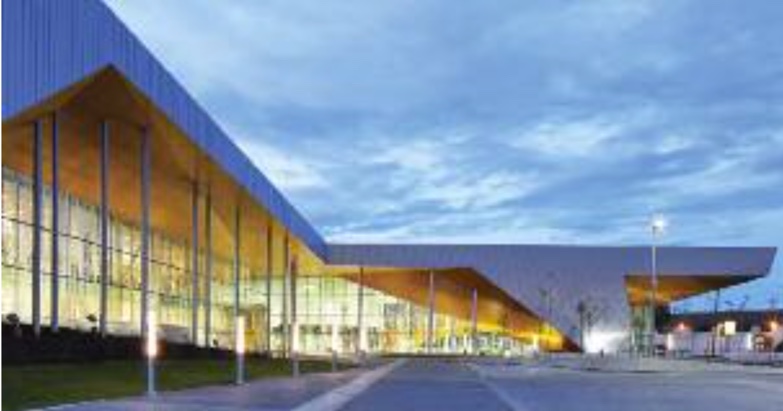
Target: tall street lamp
x: 658, y: 227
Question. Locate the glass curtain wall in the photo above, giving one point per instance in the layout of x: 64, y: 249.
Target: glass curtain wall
x: 170, y: 273
x: 328, y: 317
x: 326, y: 306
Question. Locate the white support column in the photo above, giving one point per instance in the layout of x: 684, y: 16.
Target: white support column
x: 286, y: 325
x: 431, y: 313
x: 194, y: 266
x: 55, y: 291
x: 295, y: 332
x: 104, y: 233
x: 361, y: 339
x: 269, y: 261
x: 237, y: 264
x: 208, y: 269
x: 474, y: 323
x: 145, y: 230
x: 37, y: 217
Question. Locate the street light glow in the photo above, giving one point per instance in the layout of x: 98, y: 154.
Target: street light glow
x: 152, y: 341
x: 240, y: 337
x: 658, y: 224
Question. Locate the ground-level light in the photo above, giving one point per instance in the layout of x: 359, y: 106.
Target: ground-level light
x: 295, y: 349
x: 239, y: 342
x: 152, y: 352
x: 729, y: 328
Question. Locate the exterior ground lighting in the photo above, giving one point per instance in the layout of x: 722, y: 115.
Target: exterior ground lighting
x: 152, y: 352
x: 239, y: 342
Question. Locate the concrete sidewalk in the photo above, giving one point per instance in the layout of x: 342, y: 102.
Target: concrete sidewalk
x: 533, y: 388
x: 429, y: 384
x: 260, y: 395
x: 617, y: 364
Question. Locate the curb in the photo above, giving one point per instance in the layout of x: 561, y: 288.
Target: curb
x: 340, y: 396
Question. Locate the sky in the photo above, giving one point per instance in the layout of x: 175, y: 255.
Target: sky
x: 567, y: 122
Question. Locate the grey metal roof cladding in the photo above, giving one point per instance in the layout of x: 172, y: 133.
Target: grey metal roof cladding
x: 571, y: 273
x: 50, y: 45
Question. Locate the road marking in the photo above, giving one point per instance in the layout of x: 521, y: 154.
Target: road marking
x: 502, y: 395
x: 340, y: 396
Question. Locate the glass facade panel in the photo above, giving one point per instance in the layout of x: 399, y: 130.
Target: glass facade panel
x: 327, y: 307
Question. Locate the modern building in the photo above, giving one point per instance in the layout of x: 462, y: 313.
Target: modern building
x: 723, y: 332
x: 123, y: 199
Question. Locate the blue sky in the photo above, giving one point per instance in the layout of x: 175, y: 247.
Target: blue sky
x: 498, y: 121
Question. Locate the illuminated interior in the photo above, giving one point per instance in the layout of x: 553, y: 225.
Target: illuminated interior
x: 326, y: 301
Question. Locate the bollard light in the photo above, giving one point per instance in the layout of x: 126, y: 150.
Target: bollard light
x: 335, y: 346
x: 295, y: 349
x: 729, y: 328
x: 362, y: 340
x: 152, y: 352
x: 239, y: 347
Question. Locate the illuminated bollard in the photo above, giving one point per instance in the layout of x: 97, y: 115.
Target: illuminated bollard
x: 239, y: 342
x: 362, y: 345
x: 152, y: 352
x: 335, y: 347
x: 295, y: 349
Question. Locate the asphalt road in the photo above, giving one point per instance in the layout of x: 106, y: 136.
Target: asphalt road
x: 560, y: 390
x: 453, y: 385
x: 429, y: 385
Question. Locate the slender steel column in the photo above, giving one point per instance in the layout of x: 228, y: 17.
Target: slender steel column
x: 55, y: 296
x: 37, y: 216
x: 294, y: 324
x: 431, y: 314
x: 208, y: 268
x: 239, y: 326
x: 294, y: 271
x: 360, y: 311
x: 195, y: 300
x: 104, y: 215
x: 474, y: 322
x: 269, y: 260
x: 286, y: 293
x: 145, y: 229
x: 237, y: 263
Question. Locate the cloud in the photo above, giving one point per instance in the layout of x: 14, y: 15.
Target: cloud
x: 568, y: 139
x: 284, y: 168
x: 538, y: 122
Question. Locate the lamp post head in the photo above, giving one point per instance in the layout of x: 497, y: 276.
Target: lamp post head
x: 658, y: 224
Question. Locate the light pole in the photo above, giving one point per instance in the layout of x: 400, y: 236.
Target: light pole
x: 658, y: 227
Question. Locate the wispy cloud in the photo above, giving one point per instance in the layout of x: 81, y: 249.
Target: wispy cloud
x: 497, y: 122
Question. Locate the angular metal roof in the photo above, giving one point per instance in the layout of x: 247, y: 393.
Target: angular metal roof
x: 569, y: 273
x: 51, y: 45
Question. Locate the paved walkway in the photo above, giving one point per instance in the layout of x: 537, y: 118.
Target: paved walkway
x: 260, y: 395
x: 429, y: 384
x: 478, y: 384
x: 532, y: 388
